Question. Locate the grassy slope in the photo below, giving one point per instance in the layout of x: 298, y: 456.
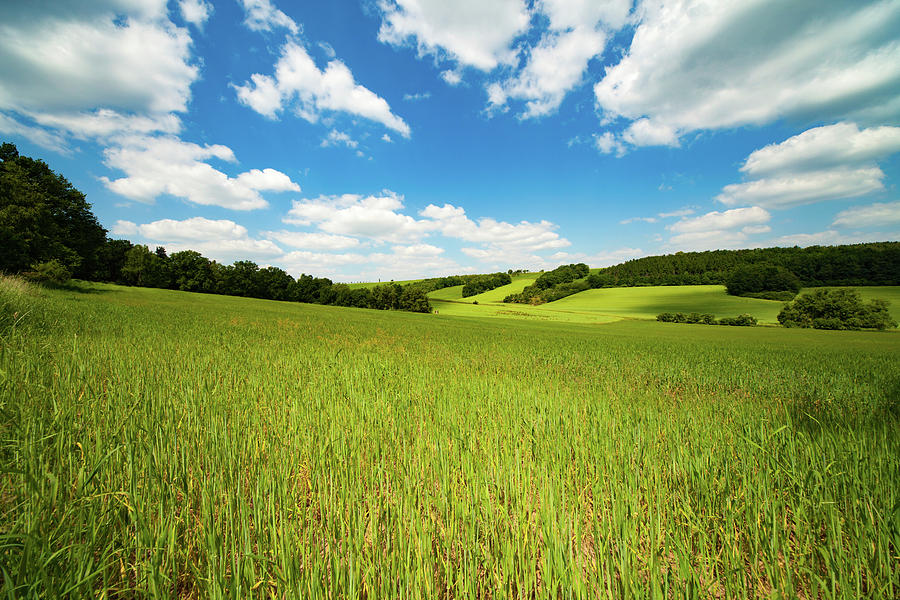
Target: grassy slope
x: 160, y: 444
x: 647, y: 302
x: 609, y: 304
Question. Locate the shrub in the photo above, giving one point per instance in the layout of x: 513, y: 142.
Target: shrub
x: 836, y: 309
x: 739, y: 321
x: 51, y: 271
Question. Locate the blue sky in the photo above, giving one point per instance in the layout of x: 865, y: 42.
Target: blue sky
x: 391, y: 139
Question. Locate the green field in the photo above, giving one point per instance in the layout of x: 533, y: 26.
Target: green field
x: 167, y: 444
x: 610, y: 304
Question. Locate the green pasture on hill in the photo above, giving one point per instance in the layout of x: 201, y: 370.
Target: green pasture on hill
x: 647, y: 302
x: 610, y: 304
x: 161, y: 444
x: 519, y: 283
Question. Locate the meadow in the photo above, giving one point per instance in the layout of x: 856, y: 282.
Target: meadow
x: 611, y: 304
x: 167, y: 444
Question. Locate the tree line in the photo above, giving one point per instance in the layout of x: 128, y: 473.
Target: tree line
x: 48, y: 232
x: 814, y: 266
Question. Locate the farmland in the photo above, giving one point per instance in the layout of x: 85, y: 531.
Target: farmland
x: 159, y: 443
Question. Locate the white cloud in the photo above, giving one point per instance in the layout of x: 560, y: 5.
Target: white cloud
x: 681, y: 212
x: 386, y: 138
x: 645, y: 132
x: 339, y: 138
x: 804, y: 188
x: 83, y: 69
x: 607, y: 144
x: 104, y: 123
x: 554, y: 66
x: 167, y: 165
x: 261, y: 15
x: 695, y: 65
x: 728, y: 229
x: 417, y: 96
x: 267, y: 180
x: 630, y: 220
x: 569, y: 14
x: 193, y: 229
x: 578, y: 31
x: 715, y: 221
x: 838, y: 145
x: 872, y: 215
x: 470, y: 32
x: 313, y: 241
x: 122, y: 227
x: 374, y: 217
x: 451, y: 77
x: 500, y: 237
x: 299, y: 84
x: 221, y: 240
x: 195, y: 12
x: 41, y: 137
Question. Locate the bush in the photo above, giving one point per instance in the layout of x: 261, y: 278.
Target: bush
x: 739, y: 321
x: 51, y: 271
x: 706, y: 319
x: 836, y: 309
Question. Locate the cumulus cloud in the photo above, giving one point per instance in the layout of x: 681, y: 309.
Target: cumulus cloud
x: 872, y: 215
x: 312, y: 92
x: 167, y: 165
x: 96, y: 77
x: 374, y: 217
x: 832, y: 162
x: 838, y: 145
x: 804, y: 188
x: 727, y: 229
x: 261, y: 15
x: 217, y: 239
x: 502, y: 242
x: 729, y: 219
x: 554, y: 66
x: 695, y: 65
x: 472, y: 33
x: 380, y: 218
x: 195, y: 12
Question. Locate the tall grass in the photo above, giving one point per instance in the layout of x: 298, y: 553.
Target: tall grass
x: 165, y: 444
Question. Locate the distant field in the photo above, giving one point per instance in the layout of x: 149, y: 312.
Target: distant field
x: 160, y: 444
x: 647, y: 302
x: 609, y: 304
x: 519, y: 282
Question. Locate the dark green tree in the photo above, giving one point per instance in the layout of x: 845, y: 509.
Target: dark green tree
x: 111, y: 259
x: 760, y: 279
x: 144, y: 268
x: 836, y: 309
x: 190, y: 271
x: 43, y: 217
